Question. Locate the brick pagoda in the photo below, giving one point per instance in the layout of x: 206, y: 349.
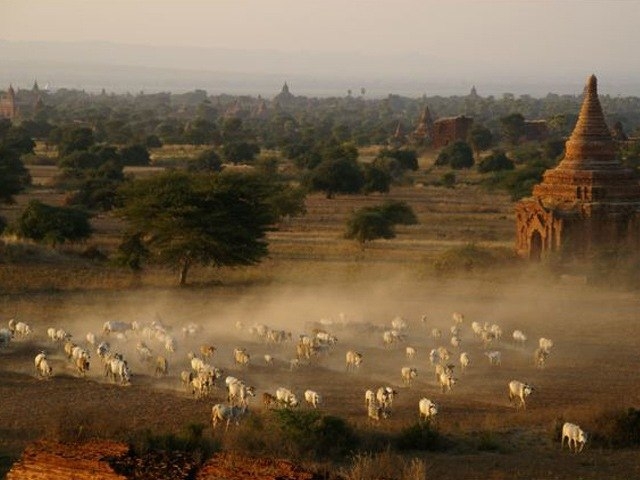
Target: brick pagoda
x: 589, y: 201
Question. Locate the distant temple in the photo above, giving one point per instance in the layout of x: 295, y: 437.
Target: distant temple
x: 589, y: 201
x: 22, y: 104
x: 285, y: 96
x: 9, y: 105
x: 423, y: 134
x: 451, y: 129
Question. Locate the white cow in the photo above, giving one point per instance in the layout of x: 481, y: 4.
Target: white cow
x: 447, y: 381
x: 458, y: 317
x: 116, y: 327
x: 495, y: 357
x: 312, y: 398
x: 540, y: 357
x: 436, y: 333
x: 465, y: 361
x: 455, y: 341
x: 44, y: 369
x: 434, y: 357
x: 375, y: 411
x: 286, y: 397
x: 226, y: 414
x: 545, y: 344
x: 268, y: 359
x: 22, y: 329
x: 91, y: 339
x: 410, y: 353
x: 408, y: 374
x: 239, y: 393
x: 399, y: 324
x: 427, y: 409
x: 116, y: 368
x: 39, y: 357
x: 519, y: 390
x: 241, y: 357
x: 353, y: 360
x: 519, y: 337
x: 385, y: 397
x: 391, y: 337
x: 574, y: 435
x: 369, y: 396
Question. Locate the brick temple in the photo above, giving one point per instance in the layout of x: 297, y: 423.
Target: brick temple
x: 588, y: 202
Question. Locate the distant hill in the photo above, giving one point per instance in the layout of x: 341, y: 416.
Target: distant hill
x: 121, y: 68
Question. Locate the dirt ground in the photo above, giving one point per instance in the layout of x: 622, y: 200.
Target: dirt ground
x: 593, y: 365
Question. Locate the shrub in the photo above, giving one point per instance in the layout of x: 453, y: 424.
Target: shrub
x: 312, y: 434
x: 45, y: 223
x: 448, y: 180
x: 458, y: 155
x: 470, y: 257
x: 420, y: 436
x: 495, y: 162
x: 617, y: 428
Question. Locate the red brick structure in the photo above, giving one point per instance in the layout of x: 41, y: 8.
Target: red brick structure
x: 588, y: 201
x: 450, y: 129
x: 8, y: 104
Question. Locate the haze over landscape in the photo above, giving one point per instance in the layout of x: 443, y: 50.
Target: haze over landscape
x: 321, y: 48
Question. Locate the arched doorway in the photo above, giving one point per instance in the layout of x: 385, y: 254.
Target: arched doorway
x: 535, y: 249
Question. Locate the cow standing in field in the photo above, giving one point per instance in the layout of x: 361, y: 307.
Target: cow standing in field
x: 353, y: 360
x: 574, y: 435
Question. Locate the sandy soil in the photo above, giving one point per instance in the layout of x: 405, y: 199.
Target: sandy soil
x: 593, y: 365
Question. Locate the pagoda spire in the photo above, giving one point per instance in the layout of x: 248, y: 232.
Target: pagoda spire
x: 590, y: 142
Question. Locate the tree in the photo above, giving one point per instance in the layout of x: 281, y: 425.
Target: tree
x: 14, y: 177
x: 73, y: 139
x: 339, y: 175
x: 372, y: 223
x: 54, y: 225
x: 376, y: 179
x: 398, y: 213
x: 201, y: 132
x: 135, y: 155
x: 185, y: 219
x: 366, y: 225
x: 457, y: 155
x: 407, y: 159
x: 18, y: 139
x: 480, y: 138
x: 239, y: 152
x: 512, y: 127
x: 495, y: 162
x: 207, y: 161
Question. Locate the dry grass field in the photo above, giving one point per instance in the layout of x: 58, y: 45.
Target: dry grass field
x: 313, y: 273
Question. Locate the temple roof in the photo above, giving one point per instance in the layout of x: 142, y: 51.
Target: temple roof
x: 589, y: 171
x: 591, y: 144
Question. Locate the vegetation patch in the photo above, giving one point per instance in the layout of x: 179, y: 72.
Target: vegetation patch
x: 471, y: 257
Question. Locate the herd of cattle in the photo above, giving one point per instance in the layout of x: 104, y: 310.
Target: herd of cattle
x: 200, y: 377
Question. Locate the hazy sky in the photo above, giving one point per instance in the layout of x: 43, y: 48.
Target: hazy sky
x: 519, y: 38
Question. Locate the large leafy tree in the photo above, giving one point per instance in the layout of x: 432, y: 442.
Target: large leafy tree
x: 372, y: 223
x: 512, y: 127
x: 184, y: 219
x: 480, y: 138
x: 14, y: 177
x: 340, y: 175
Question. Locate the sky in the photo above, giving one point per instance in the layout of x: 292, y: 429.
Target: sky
x: 528, y: 41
